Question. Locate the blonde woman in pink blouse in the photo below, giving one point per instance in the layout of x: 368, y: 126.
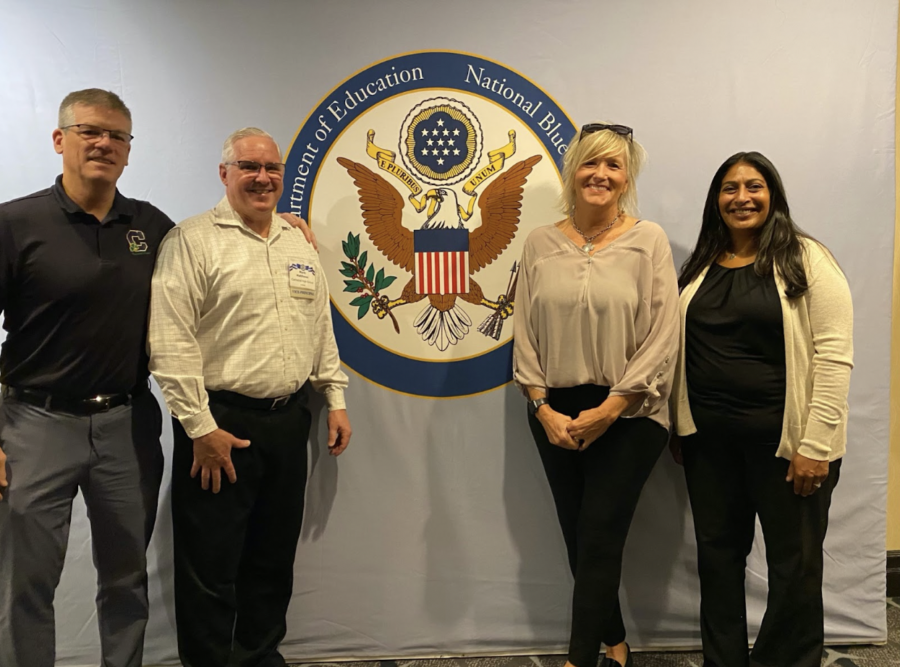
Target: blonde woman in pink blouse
x: 596, y: 338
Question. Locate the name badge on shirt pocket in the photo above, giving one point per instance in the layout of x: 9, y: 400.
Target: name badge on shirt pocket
x: 302, y: 280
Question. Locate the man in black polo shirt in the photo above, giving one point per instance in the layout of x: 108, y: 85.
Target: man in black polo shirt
x: 75, y: 267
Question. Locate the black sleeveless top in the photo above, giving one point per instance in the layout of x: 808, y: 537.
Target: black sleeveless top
x: 734, y: 356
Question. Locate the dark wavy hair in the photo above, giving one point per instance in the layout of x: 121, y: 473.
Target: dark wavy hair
x: 779, y: 237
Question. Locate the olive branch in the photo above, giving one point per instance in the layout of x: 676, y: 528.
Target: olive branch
x: 364, y: 280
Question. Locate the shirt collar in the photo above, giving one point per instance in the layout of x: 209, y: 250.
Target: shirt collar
x: 226, y: 215
x: 122, y: 206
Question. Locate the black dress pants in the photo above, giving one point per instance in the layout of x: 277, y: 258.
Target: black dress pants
x: 729, y: 485
x: 596, y: 492
x: 234, y: 551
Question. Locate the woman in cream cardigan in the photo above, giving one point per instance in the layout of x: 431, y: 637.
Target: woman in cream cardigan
x: 760, y: 409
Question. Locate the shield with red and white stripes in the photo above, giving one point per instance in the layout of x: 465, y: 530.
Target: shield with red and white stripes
x: 442, y: 261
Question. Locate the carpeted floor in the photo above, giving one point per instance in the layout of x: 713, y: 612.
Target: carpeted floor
x: 848, y: 656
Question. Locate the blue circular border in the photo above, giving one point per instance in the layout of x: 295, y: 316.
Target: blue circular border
x: 447, y: 70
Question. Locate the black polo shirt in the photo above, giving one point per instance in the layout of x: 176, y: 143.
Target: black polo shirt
x: 75, y: 293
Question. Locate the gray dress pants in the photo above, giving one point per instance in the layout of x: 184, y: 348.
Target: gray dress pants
x: 115, y: 458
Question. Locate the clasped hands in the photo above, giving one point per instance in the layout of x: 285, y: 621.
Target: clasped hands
x: 576, y: 434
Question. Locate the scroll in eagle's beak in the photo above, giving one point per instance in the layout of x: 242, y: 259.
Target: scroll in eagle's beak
x: 434, y: 198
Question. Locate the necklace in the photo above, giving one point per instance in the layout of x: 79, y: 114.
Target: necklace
x: 731, y: 255
x: 588, y: 246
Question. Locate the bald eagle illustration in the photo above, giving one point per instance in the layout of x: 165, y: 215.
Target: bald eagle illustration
x: 441, y: 215
x: 442, y: 323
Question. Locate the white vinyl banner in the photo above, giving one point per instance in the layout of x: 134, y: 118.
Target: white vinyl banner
x: 423, y: 141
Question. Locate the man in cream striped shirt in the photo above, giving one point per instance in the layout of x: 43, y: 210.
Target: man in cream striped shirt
x: 239, y: 321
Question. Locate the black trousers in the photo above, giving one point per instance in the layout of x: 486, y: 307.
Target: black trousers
x: 234, y: 551
x: 729, y: 485
x: 596, y: 492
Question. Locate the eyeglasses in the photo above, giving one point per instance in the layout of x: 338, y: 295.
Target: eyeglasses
x: 93, y: 133
x: 621, y: 130
x: 273, y: 169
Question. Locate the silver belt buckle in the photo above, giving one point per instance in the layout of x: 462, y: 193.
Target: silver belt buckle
x: 102, y: 402
x: 280, y: 401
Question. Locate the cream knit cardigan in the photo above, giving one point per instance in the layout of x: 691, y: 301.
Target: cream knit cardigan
x: 818, y: 341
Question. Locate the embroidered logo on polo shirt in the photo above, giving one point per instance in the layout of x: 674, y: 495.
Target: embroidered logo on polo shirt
x: 136, y: 243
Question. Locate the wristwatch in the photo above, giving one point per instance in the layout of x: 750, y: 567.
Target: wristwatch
x: 535, y: 404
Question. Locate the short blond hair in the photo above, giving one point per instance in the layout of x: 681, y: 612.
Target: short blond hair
x: 603, y: 144
x: 90, y: 97
x: 243, y: 133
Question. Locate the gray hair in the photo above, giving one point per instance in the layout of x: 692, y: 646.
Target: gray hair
x: 228, y: 146
x: 91, y: 97
x: 602, y: 144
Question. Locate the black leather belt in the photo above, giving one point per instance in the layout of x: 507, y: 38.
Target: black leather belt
x: 70, y: 404
x: 241, y: 401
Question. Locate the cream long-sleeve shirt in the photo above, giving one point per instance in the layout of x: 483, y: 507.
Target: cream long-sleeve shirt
x: 232, y: 310
x: 818, y: 341
x: 609, y: 319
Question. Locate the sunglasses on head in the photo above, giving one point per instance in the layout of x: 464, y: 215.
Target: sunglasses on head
x: 621, y: 130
